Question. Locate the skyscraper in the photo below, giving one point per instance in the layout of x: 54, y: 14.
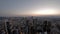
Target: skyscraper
x: 7, y: 27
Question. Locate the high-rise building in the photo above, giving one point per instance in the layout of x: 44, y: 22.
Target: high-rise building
x: 7, y: 27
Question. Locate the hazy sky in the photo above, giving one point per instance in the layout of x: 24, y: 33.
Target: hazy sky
x: 26, y: 7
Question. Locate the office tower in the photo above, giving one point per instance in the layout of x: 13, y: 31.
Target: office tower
x: 34, y: 26
x: 49, y: 27
x: 46, y: 26
x: 7, y: 27
x: 27, y: 27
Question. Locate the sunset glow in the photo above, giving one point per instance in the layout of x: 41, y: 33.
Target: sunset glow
x: 46, y: 12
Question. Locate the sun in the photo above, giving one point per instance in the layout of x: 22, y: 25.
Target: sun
x: 45, y: 12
